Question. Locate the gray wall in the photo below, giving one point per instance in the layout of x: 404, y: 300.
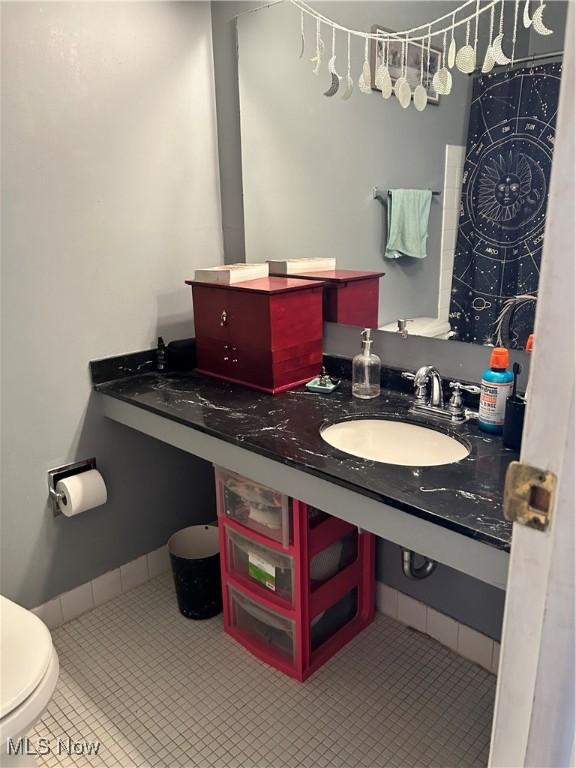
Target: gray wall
x: 110, y: 199
x: 465, y: 599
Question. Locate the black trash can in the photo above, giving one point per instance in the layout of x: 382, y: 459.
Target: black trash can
x: 195, y: 558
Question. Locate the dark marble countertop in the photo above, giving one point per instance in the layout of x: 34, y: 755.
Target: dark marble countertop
x: 465, y: 497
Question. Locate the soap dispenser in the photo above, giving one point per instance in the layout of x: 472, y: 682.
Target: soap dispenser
x: 366, y: 370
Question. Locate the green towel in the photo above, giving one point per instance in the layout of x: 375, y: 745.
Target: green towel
x: 408, y: 212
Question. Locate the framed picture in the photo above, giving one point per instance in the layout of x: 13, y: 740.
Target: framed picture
x: 415, y: 52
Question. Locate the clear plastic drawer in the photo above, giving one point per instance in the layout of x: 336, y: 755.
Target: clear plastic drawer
x: 262, y: 565
x: 254, y: 505
x: 261, y: 626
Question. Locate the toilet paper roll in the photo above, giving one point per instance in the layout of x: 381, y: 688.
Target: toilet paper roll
x: 80, y: 492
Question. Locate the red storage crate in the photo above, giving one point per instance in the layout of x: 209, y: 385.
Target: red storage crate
x: 298, y: 589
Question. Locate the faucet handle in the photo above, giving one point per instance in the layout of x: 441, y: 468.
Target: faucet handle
x: 455, y: 406
x: 458, y: 386
x: 419, y: 386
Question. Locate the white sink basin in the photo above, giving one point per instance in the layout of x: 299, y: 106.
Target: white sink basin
x: 394, y: 442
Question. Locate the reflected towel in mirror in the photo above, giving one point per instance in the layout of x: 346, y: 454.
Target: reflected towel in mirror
x: 408, y: 213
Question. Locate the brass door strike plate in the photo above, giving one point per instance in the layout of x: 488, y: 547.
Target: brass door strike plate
x: 529, y: 495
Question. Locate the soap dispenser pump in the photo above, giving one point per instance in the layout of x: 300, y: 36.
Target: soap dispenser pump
x: 366, y: 370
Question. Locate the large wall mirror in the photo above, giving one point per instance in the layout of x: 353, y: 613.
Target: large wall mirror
x: 311, y: 162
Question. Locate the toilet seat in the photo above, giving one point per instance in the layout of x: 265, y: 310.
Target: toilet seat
x: 29, y: 669
x: 25, y: 652
x: 18, y: 722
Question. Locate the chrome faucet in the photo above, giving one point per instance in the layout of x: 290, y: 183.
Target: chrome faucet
x: 429, y: 373
x: 434, y: 404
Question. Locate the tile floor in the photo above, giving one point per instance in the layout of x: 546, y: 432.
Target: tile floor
x: 156, y: 689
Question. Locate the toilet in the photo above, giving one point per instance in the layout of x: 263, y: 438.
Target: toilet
x: 432, y: 327
x: 30, y: 668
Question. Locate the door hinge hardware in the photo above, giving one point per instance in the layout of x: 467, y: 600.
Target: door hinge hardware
x: 529, y: 495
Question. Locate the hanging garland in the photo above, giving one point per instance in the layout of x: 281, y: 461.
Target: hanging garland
x: 464, y: 58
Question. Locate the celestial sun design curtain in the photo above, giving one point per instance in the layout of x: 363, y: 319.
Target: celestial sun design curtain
x: 503, y: 205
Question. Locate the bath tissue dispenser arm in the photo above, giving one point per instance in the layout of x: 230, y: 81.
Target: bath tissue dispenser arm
x: 59, y: 473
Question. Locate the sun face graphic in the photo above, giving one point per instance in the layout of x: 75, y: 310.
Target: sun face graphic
x: 505, y: 182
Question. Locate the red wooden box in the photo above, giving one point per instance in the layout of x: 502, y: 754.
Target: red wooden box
x: 350, y: 296
x: 297, y: 619
x: 266, y: 333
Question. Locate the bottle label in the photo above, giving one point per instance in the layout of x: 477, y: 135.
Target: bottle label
x: 493, y: 402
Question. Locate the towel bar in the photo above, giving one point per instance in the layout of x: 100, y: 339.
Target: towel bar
x: 383, y: 196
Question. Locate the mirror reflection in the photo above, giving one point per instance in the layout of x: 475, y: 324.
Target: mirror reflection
x: 423, y: 178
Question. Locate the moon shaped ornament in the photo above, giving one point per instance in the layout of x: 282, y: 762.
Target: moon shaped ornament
x: 302, y: 46
x: 466, y: 59
x: 364, y: 84
x: 347, y: 92
x: 397, y: 86
x: 526, y: 20
x: 334, y: 86
x: 386, y: 85
x: 537, y: 22
x: 488, y: 63
x: 497, y: 52
x: 444, y: 82
x: 420, y: 97
x: 320, y: 48
x: 379, y: 74
x: 366, y: 71
x: 403, y: 92
x: 452, y: 53
x: 405, y: 95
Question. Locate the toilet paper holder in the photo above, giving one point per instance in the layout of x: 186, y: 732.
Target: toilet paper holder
x: 59, y: 473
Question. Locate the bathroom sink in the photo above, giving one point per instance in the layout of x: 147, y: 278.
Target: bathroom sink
x: 394, y: 442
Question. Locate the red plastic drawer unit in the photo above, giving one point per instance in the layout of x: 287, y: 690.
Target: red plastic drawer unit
x: 351, y: 297
x: 266, y: 333
x: 298, y: 583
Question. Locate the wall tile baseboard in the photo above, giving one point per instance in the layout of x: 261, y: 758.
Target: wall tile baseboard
x: 465, y: 641
x: 70, y: 605
x: 458, y: 637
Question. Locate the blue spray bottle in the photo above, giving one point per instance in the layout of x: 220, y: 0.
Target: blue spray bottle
x: 495, y: 388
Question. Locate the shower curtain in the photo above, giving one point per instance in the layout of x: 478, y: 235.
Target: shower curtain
x: 503, y: 205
